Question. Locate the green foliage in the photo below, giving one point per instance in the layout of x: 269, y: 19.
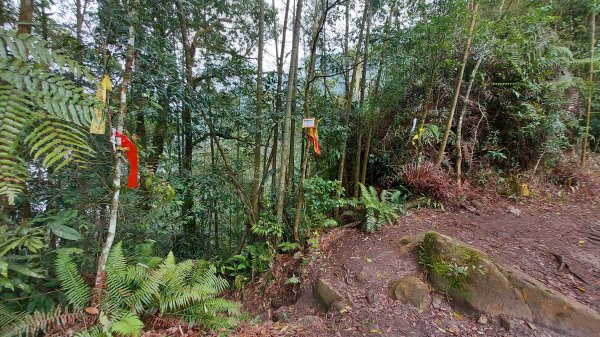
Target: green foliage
x: 380, y: 209
x: 19, y: 256
x: 255, y: 259
x: 75, y: 289
x: 320, y: 200
x: 456, y: 271
x: 186, y: 290
x: 39, y: 96
x: 23, y: 324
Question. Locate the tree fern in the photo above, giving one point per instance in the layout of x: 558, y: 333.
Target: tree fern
x: 38, y: 96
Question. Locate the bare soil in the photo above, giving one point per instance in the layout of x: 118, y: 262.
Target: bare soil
x: 531, y: 235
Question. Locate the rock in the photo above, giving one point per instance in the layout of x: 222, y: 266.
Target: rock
x: 371, y: 296
x: 338, y: 305
x: 437, y: 301
x: 327, y: 294
x: 482, y: 319
x: 361, y: 277
x: 514, y: 210
x: 476, y: 282
x: 280, y: 315
x: 506, y: 323
x: 412, y: 290
x: 309, y: 321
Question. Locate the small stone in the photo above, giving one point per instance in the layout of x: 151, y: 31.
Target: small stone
x: 338, y: 305
x: 371, y: 296
x: 437, y: 302
x: 309, y: 320
x: 506, y: 323
x: 280, y: 315
x: 361, y: 277
x: 412, y: 290
x: 514, y: 210
x: 482, y: 319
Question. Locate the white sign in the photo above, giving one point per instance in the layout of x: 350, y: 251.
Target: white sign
x: 308, y: 123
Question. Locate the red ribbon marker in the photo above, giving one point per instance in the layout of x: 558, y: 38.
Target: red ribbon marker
x: 132, y: 156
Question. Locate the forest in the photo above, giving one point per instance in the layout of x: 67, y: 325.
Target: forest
x: 158, y: 157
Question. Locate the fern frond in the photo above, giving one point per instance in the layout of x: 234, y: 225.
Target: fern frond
x: 58, y: 142
x: 127, y: 325
x: 32, y: 324
x: 78, y: 293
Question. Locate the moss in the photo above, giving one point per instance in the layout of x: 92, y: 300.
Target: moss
x: 451, y: 270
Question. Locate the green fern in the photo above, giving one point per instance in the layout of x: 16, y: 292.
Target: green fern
x: 380, y: 210
x: 40, y: 322
x: 186, y: 290
x: 78, y: 293
x: 39, y: 97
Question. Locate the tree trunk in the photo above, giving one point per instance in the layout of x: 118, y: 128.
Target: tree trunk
x: 591, y: 90
x: 120, y: 121
x: 285, y: 146
x: 365, y: 162
x: 461, y: 116
x: 189, y: 223
x: 442, y: 149
x: 278, y: 100
x: 258, y: 120
x: 349, y: 99
x: 25, y: 17
x: 79, y: 18
x: 310, y: 77
x: 361, y: 104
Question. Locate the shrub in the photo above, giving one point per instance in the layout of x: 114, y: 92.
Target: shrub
x: 427, y: 179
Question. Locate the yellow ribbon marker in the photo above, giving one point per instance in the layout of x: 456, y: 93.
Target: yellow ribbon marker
x: 99, y: 122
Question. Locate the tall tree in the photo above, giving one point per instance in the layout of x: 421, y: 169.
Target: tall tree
x: 285, y: 146
x: 350, y: 96
x: 474, y: 6
x: 259, y: 114
x: 591, y: 88
x: 459, y: 124
x: 118, y: 124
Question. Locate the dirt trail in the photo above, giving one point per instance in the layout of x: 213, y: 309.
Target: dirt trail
x: 525, y: 235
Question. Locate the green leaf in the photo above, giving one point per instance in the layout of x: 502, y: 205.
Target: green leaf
x: 128, y: 325
x: 65, y: 232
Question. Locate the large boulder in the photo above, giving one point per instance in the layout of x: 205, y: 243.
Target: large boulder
x: 412, y: 290
x: 476, y: 282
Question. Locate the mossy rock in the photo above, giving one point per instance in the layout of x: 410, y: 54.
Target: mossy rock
x: 412, y: 290
x: 477, y: 283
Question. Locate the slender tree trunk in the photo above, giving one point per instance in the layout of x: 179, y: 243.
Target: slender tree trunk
x: 25, y: 17
x: 2, y: 21
x: 258, y: 120
x: 79, y: 18
x: 189, y: 223
x: 461, y: 116
x: 442, y: 149
x: 310, y: 77
x: 365, y: 162
x: 349, y: 99
x: 278, y: 98
x: 285, y: 146
x: 120, y: 121
x: 591, y: 90
x: 361, y: 105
